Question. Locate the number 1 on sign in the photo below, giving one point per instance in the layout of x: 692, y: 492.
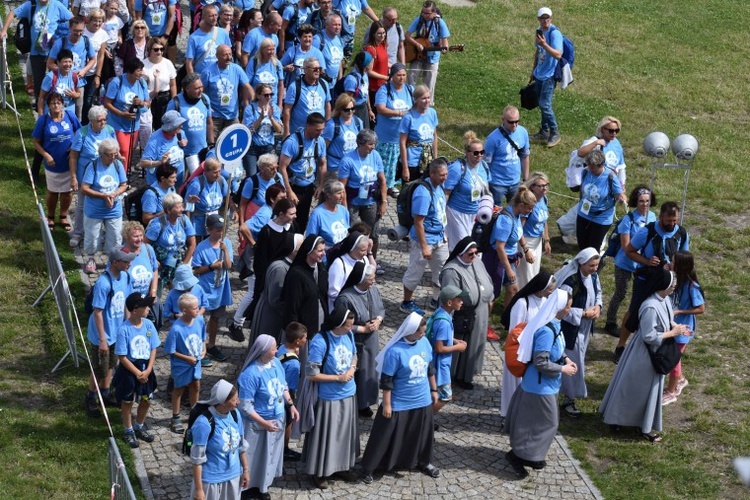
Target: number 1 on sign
x: 234, y: 140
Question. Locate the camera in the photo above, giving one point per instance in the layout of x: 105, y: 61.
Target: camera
x: 133, y: 108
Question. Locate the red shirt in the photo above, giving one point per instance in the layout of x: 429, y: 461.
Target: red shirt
x: 379, y: 54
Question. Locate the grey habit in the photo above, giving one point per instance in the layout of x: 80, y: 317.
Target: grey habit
x: 269, y: 312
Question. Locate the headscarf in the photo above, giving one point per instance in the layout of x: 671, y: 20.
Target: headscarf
x: 659, y: 280
x: 347, y: 245
x: 261, y: 346
x: 554, y: 304
x: 571, y: 267
x: 395, y: 68
x: 286, y: 247
x: 337, y: 317
x: 219, y: 393
x: 358, y: 274
x: 538, y: 283
x: 307, y: 247
x: 461, y: 248
x: 409, y: 326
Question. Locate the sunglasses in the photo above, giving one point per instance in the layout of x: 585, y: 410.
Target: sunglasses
x: 512, y: 122
x: 348, y: 110
x: 267, y: 95
x: 139, y: 28
x: 478, y: 153
x: 157, y: 49
x: 316, y: 69
x: 613, y: 130
x: 543, y: 186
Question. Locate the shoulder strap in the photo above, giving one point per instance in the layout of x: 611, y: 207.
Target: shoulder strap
x: 288, y: 356
x: 298, y: 88
x: 176, y: 102
x: 300, y: 146
x: 507, y: 138
x: 336, y: 127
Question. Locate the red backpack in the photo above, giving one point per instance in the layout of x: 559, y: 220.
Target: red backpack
x: 515, y: 367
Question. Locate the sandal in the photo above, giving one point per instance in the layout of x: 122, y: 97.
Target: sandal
x: 651, y: 436
x: 51, y: 222
x: 65, y: 223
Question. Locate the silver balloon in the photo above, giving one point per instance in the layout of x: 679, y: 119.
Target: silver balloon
x: 656, y: 144
x: 685, y: 147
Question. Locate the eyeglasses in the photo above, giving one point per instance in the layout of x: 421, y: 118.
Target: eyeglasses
x: 267, y: 95
x: 478, y: 153
x: 139, y: 27
x: 543, y: 186
x: 348, y: 110
x: 392, y: 19
x: 512, y: 122
x: 316, y: 68
x: 613, y: 130
x: 157, y: 49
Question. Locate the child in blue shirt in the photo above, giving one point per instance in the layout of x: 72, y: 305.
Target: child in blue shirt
x: 137, y: 340
x: 184, y: 282
x: 186, y: 343
x: 295, y: 337
x: 451, y: 299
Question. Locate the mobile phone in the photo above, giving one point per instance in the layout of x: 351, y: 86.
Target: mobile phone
x: 539, y: 32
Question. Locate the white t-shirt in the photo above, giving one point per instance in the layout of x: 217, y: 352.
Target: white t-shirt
x: 86, y: 6
x: 159, y: 74
x: 96, y: 40
x: 112, y: 27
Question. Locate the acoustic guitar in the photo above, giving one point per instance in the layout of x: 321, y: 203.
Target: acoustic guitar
x: 412, y: 54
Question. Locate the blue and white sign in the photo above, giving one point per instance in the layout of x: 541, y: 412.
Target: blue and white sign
x: 233, y: 143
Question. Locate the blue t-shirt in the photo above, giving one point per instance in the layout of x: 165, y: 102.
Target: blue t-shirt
x: 170, y: 303
x: 174, y: 236
x: 200, y: 43
x: 264, y: 386
x: 687, y: 297
x: 302, y: 172
x: 408, y: 365
x: 223, y: 449
x: 156, y: 147
x: 387, y: 127
x: 361, y: 174
x: 435, y: 30
x: 432, y: 207
x: 87, y: 142
x: 205, y: 255
x: 291, y: 368
x: 333, y: 52
x: 195, y: 127
x: 630, y: 227
x: 420, y: 128
x: 253, y: 39
x: 260, y: 219
x: 545, y: 63
x: 288, y: 15
x: 103, y: 180
x: 343, y: 142
x: 62, y: 84
x: 331, y: 226
x: 295, y: 56
x: 264, y: 136
x: 350, y: 11
x: 222, y: 87
x: 613, y: 154
x: 442, y: 329
x: 56, y: 138
x: 270, y: 73
x: 312, y: 99
x: 211, y: 196
x: 110, y: 298
x: 122, y: 94
x: 188, y: 340
x: 639, y: 242
x: 548, y: 338
x: 537, y: 219
x: 155, y: 15
x: 504, y: 160
x: 466, y: 185
x: 45, y: 23
x: 151, y: 200
x: 81, y: 56
x: 260, y: 196
x: 137, y: 343
x: 598, y: 196
x: 340, y: 355
x: 509, y: 230
x: 358, y: 85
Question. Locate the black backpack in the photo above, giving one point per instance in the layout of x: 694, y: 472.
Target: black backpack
x: 195, y: 412
x: 134, y: 203
x: 614, y: 244
x: 301, y: 147
x: 88, y: 303
x: 22, y: 36
x: 298, y: 88
x: 482, y: 233
x: 672, y: 244
x: 237, y: 197
x: 404, y: 201
x: 338, y: 89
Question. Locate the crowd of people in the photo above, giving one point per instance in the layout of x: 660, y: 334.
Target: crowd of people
x: 330, y: 151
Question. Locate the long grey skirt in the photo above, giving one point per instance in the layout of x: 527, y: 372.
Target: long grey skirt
x: 403, y: 441
x: 266, y: 453
x: 333, y: 444
x: 532, y: 421
x: 228, y: 490
x: 366, y: 378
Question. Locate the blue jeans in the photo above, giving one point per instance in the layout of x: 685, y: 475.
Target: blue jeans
x: 500, y: 192
x: 544, y: 90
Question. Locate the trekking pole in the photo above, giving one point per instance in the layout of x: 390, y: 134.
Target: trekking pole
x: 219, y: 275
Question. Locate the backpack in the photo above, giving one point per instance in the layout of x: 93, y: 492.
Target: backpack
x: 163, y: 225
x: 404, y: 201
x: 515, y: 367
x: 195, y: 412
x: 482, y: 233
x: 176, y: 102
x: 338, y: 89
x: 568, y: 49
x: 673, y: 243
x: 430, y: 333
x: 237, y: 197
x: 409, y: 88
x: 22, y: 36
x: 133, y: 203
x: 292, y: 27
x: 337, y: 126
x: 613, y: 243
x: 301, y: 148
x: 88, y: 303
x: 298, y: 85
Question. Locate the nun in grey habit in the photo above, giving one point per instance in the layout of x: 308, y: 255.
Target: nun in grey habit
x: 466, y: 271
x: 633, y: 398
x: 362, y: 296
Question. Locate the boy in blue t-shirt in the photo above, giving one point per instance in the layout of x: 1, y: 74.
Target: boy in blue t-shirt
x: 295, y: 337
x: 186, y: 343
x: 137, y: 340
x: 451, y: 299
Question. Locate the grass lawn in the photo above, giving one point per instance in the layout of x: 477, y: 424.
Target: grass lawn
x: 664, y: 66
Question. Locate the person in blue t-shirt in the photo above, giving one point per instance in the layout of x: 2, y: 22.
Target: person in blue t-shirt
x: 205, y: 196
x: 535, y: 229
x: 451, y: 299
x: 330, y: 219
x: 137, y: 341
x: 607, y: 142
x: 402, y: 435
x: 64, y: 81
x: 547, y: 52
x: 294, y: 15
x: 294, y: 57
x: 226, y: 83
x: 108, y: 301
x: 82, y: 49
x: 341, y: 131
x: 350, y: 10
x: 202, y: 43
x: 468, y: 180
x: 357, y: 85
x: 392, y: 101
x: 254, y: 38
x: 428, y: 27
x: 144, y: 270
x: 158, y: 14
x: 418, y: 139
x: 295, y: 338
x: 198, y: 127
x: 263, y: 118
x: 600, y: 192
x: 508, y: 156
x: 306, y: 96
x: 266, y: 68
x: 331, y: 45
x: 151, y: 201
x: 165, y: 147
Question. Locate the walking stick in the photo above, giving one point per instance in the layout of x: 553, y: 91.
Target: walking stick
x: 217, y: 282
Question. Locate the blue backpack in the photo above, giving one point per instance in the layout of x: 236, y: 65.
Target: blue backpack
x: 568, y: 50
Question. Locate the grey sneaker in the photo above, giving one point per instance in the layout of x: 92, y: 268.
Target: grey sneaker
x: 541, y: 136
x: 130, y: 439
x: 554, y: 139
x: 144, y: 435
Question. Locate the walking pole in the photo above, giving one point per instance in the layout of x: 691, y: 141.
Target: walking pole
x: 217, y: 282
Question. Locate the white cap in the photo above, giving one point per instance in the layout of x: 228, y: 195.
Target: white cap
x: 544, y: 11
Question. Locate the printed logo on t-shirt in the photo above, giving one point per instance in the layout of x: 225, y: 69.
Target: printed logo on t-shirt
x: 591, y: 192
x: 426, y: 132
x: 314, y: 101
x: 343, y: 356
x: 195, y: 118
x: 230, y: 439
x: 194, y: 345
x: 610, y: 158
x: 107, y: 184
x: 350, y: 140
x: 418, y: 367
x: 267, y: 77
x: 117, y: 304
x: 275, y: 391
x: 141, y: 276
x: 140, y: 348
x: 339, y: 231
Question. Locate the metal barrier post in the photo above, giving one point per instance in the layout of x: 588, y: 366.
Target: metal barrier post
x: 120, y: 487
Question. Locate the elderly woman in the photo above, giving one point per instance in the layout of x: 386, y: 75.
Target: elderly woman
x: 341, y: 132
x: 466, y: 271
x: 633, y: 398
x: 218, y: 454
x: 607, y: 142
x: 640, y: 200
x: 134, y: 47
x: 524, y: 306
x: 126, y: 99
x: 507, y: 236
x: 600, y: 192
x: 468, y: 179
x: 265, y: 68
x: 254, y: 188
x: 143, y: 269
x: 330, y: 219
x: 84, y: 150
x: 63, y: 81
x: 205, y: 196
x: 53, y: 136
x: 362, y: 296
x: 402, y: 434
x: 332, y: 445
x: 533, y: 415
x: 263, y: 396
x: 392, y: 101
x: 354, y: 248
x: 173, y: 237
x: 160, y: 74
x: 103, y: 183
x: 535, y: 230
x: 418, y: 139
x: 263, y: 117
x: 579, y: 279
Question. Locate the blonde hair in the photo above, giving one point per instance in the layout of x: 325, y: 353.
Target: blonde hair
x: 604, y: 121
x: 419, y: 92
x: 131, y: 226
x: 343, y: 101
x: 186, y: 300
x: 534, y: 178
x: 96, y: 13
x: 523, y: 196
x: 470, y: 137
x: 211, y: 165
